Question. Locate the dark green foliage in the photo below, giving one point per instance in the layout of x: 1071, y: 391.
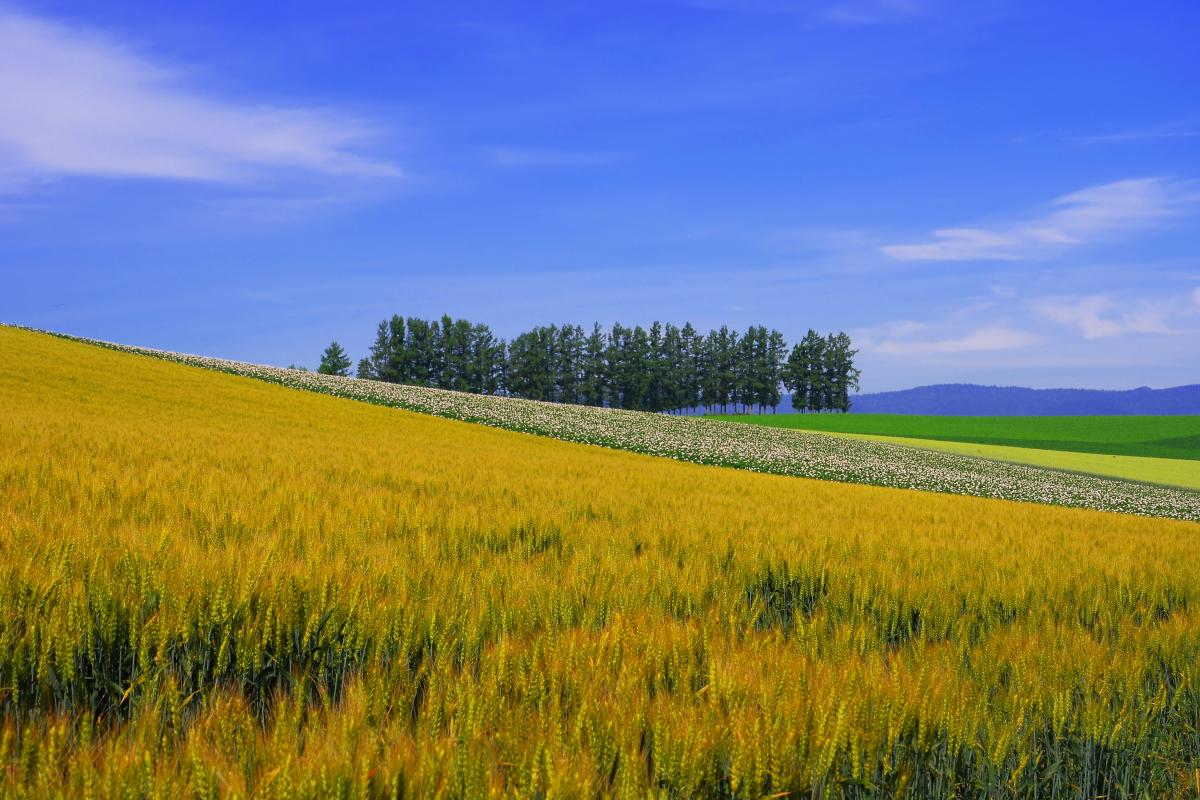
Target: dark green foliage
x: 334, y: 361
x: 660, y: 368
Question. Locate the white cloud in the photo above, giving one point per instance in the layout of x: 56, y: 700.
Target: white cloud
x: 77, y: 102
x: 1092, y: 214
x: 957, y: 244
x: 988, y: 339
x: 1098, y: 317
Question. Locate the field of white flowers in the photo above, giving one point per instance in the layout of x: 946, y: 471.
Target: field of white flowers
x: 752, y: 447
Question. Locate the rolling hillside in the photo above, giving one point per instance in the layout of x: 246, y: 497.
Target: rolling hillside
x: 706, y: 441
x: 218, y: 586
x: 1176, y: 437
x: 974, y: 400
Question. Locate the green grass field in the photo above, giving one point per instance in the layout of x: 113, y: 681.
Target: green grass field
x: 1166, y: 471
x: 1152, y: 437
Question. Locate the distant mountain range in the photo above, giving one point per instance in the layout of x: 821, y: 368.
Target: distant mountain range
x: 965, y: 399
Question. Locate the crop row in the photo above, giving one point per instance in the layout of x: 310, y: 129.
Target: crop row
x: 756, y: 448
x: 213, y: 588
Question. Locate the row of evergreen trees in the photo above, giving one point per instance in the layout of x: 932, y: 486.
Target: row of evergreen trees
x: 660, y: 368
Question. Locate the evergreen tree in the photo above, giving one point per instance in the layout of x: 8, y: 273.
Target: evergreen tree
x: 820, y: 390
x: 595, y: 369
x: 663, y: 368
x: 796, y: 376
x: 729, y: 368
x: 420, y: 356
x: 806, y: 372
x: 395, y: 365
x: 743, y: 371
x: 546, y: 374
x: 656, y: 361
x: 531, y: 364
x: 377, y: 360
x: 776, y: 347
x: 614, y: 357
x: 845, y: 374
x: 521, y: 364
x: 569, y: 355
x: 709, y: 372
x: 502, y: 367
x: 690, y: 371
x: 437, y: 355
x: 334, y: 361
x: 483, y: 374
x: 640, y: 372
x: 628, y: 356
x: 458, y: 359
x: 674, y: 378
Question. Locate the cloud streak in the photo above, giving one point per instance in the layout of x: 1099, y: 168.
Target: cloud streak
x: 1098, y: 317
x: 1096, y: 213
x: 74, y: 102
x: 849, y: 13
x: 908, y: 337
x: 1139, y: 136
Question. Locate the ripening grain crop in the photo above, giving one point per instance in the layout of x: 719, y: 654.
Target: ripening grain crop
x: 212, y: 586
x: 760, y: 448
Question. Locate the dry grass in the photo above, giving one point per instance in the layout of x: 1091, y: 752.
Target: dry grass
x: 215, y: 586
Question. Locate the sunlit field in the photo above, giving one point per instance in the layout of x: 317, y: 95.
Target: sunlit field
x: 760, y: 448
x: 1173, y: 437
x: 215, y: 586
x: 1180, y: 472
x: 1156, y: 450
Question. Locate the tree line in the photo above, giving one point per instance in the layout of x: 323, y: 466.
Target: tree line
x: 664, y: 367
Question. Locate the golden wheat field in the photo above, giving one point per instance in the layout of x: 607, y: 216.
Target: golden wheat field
x: 213, y: 586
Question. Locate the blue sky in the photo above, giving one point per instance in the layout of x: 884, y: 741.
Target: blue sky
x: 996, y: 192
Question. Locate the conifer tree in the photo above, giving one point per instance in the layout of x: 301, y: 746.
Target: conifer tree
x: 709, y: 370
x: 662, y: 368
x: 776, y: 346
x: 595, y: 370
x: 377, y: 361
x: 334, y: 361
x: 568, y: 353
x: 845, y: 374
x: 396, y: 366
x: 690, y: 374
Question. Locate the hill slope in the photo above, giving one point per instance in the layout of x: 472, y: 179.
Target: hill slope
x: 213, y: 585
x: 1175, y: 437
x: 758, y: 448
x: 974, y: 400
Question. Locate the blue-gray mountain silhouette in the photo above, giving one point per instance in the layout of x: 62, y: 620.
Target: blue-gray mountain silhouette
x: 966, y: 399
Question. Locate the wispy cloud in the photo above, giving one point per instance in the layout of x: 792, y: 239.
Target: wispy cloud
x: 909, y: 337
x: 989, y: 339
x: 1100, y: 316
x: 533, y: 157
x: 832, y: 12
x: 1140, y: 135
x: 76, y: 102
x: 1092, y: 214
